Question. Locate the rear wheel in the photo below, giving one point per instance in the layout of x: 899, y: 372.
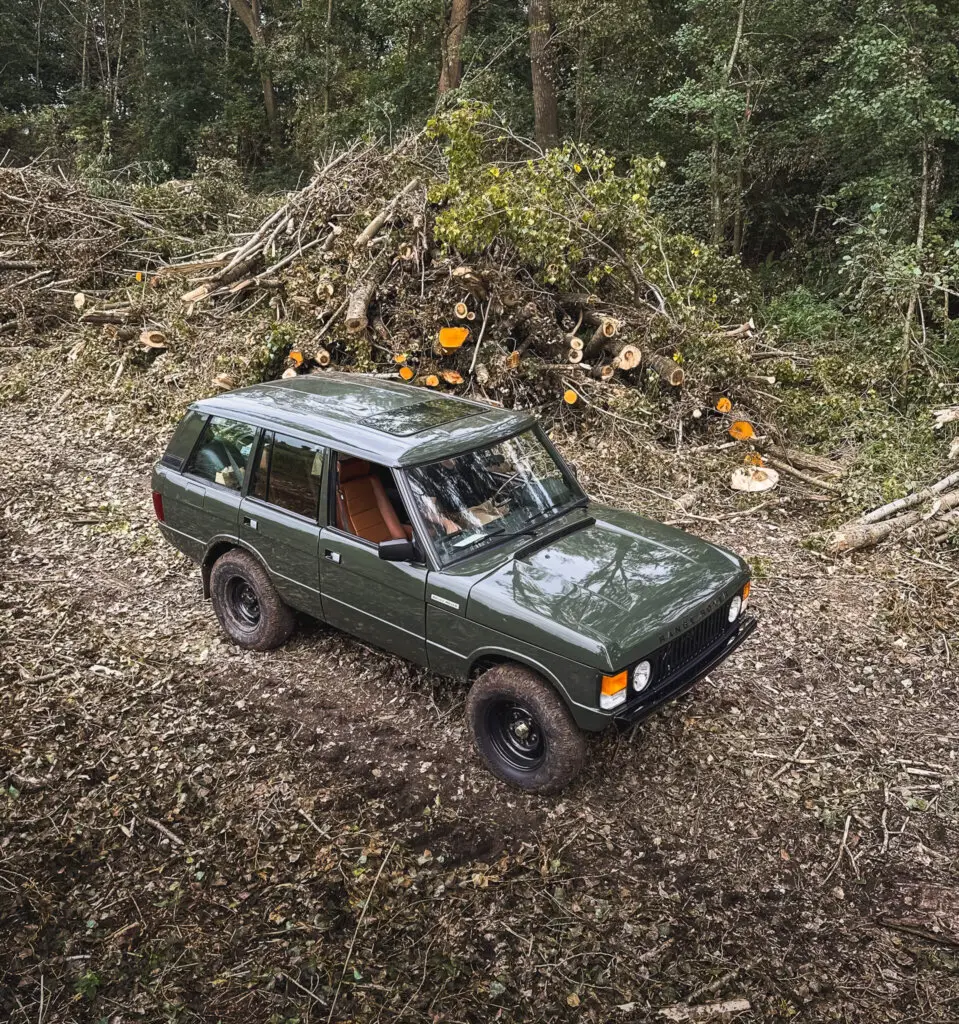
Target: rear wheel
x: 522, y: 730
x: 250, y: 610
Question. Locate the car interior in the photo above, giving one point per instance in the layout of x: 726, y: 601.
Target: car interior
x: 368, y: 503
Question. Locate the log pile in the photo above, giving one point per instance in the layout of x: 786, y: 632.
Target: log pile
x: 929, y: 514
x: 351, y: 260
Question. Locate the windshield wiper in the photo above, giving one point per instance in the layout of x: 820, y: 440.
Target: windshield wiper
x: 534, y: 521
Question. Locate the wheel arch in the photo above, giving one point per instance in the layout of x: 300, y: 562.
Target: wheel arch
x: 216, y: 550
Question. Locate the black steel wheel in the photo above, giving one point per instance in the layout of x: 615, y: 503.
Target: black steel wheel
x: 250, y: 610
x: 516, y: 735
x: 523, y: 731
x: 242, y: 603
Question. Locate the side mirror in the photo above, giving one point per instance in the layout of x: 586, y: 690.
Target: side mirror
x: 397, y: 550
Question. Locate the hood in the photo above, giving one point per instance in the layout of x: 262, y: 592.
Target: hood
x: 610, y: 592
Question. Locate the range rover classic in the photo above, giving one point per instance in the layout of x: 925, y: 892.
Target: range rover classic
x: 452, y: 534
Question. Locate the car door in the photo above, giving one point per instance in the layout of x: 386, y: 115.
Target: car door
x: 278, y: 516
x: 210, y: 489
x: 378, y: 601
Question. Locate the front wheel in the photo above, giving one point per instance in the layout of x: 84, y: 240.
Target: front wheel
x: 522, y: 730
x: 250, y: 610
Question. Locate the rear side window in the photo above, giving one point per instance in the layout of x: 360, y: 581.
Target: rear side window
x: 183, y: 440
x: 287, y: 473
x: 222, y: 453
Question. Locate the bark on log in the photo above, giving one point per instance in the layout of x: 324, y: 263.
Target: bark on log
x: 600, y: 339
x: 359, y: 301
x: 855, y: 536
x: 910, y: 500
x: 384, y: 215
x: 785, y: 467
x: 602, y: 371
x: 668, y: 369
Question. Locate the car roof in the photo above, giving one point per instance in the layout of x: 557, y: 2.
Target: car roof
x: 394, y: 424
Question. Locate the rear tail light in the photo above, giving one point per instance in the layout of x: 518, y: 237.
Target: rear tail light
x: 158, y: 505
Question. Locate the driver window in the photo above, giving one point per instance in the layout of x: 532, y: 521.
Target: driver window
x: 367, y: 501
x: 222, y: 452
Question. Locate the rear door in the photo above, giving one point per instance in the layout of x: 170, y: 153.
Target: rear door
x: 207, y: 500
x: 381, y: 602
x: 278, y: 516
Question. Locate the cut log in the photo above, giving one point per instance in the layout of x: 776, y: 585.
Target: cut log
x: 629, y: 357
x: 910, y: 500
x: 474, y: 282
x: 321, y: 356
x: 855, y: 536
x: 668, y: 369
x: 570, y: 397
x: 106, y: 316
x: 431, y: 381
x: 79, y: 300
x: 807, y: 478
x: 461, y: 309
x: 742, y: 331
x: 574, y: 342
x: 367, y: 234
x: 357, y: 306
x: 406, y: 373
x: 574, y: 355
x: 602, y: 371
x: 324, y: 289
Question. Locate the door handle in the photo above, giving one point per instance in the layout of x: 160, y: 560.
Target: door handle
x: 333, y: 556
x: 247, y: 521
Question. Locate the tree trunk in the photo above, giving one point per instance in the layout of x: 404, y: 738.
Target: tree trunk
x: 545, y: 102
x: 454, y: 32
x: 920, y: 239
x: 250, y: 13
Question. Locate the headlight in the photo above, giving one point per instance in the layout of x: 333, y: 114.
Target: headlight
x: 735, y: 608
x: 642, y: 674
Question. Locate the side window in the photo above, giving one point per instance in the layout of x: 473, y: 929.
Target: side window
x: 287, y: 474
x: 223, y: 452
x: 367, y: 502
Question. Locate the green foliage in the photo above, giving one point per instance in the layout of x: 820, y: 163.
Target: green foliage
x: 572, y: 214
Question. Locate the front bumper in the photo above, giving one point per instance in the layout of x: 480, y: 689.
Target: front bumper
x: 677, y: 684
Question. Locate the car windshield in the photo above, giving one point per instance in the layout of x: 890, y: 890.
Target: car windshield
x: 468, y: 500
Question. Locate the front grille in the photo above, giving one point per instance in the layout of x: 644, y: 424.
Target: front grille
x: 687, y: 647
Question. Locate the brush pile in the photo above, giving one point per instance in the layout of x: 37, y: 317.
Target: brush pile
x: 62, y: 246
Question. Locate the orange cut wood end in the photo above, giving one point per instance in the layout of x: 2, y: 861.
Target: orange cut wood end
x: 724, y: 405
x: 453, y: 337
x: 401, y: 357
x: 754, y: 459
x: 741, y: 430
x: 296, y: 357
x: 512, y: 360
x: 432, y: 381
x: 570, y: 397
x: 406, y: 373
x: 452, y: 377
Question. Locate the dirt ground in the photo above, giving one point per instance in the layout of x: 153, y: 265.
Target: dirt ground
x: 190, y: 832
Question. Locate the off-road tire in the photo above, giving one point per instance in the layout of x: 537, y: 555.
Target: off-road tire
x: 511, y: 687
x: 236, y: 573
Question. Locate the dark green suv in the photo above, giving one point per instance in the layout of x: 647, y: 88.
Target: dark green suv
x: 453, y: 534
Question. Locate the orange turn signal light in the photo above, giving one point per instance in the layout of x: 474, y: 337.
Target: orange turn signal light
x: 746, y: 590
x: 614, y: 684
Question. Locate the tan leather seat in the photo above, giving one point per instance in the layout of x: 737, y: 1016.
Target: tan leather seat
x: 362, y: 507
